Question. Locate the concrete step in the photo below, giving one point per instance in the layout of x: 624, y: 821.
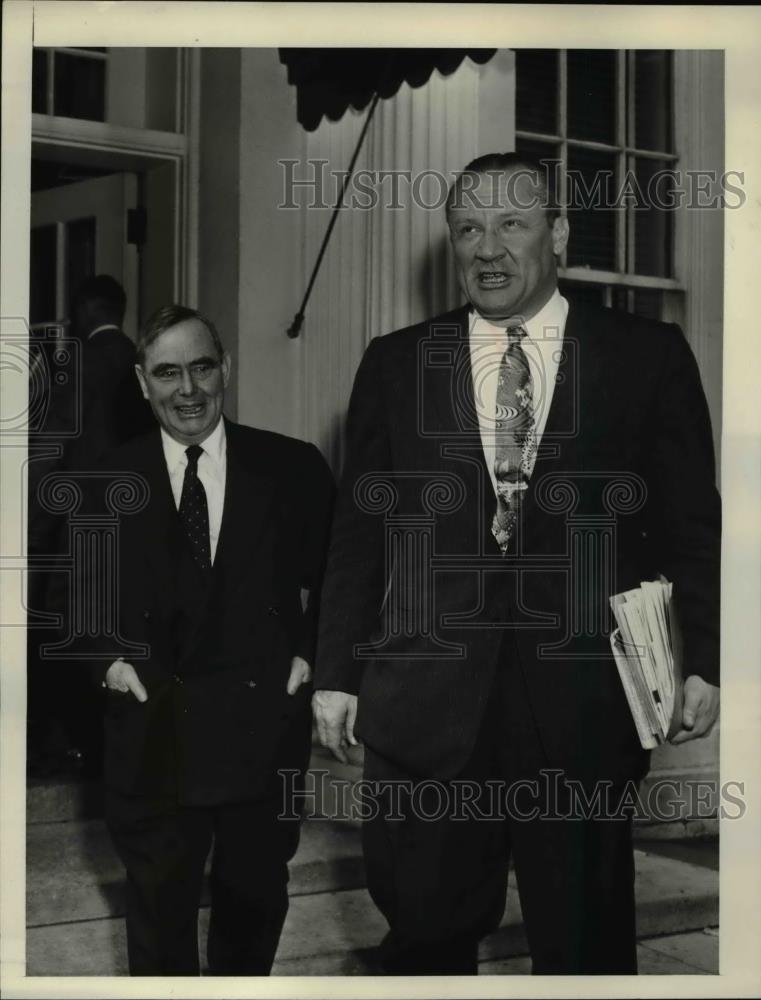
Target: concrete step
x: 74, y: 874
x: 329, y: 795
x: 57, y: 800
x: 335, y: 933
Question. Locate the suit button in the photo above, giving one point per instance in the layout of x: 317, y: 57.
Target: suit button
x: 272, y: 611
x: 177, y: 679
x: 147, y: 615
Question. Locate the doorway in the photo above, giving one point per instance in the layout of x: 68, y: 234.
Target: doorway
x: 78, y: 229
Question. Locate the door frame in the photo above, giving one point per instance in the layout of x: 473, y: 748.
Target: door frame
x: 118, y: 148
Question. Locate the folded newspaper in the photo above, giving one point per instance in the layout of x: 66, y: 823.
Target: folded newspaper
x: 648, y: 652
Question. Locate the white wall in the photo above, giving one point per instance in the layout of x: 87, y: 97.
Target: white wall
x: 271, y: 257
x: 219, y: 214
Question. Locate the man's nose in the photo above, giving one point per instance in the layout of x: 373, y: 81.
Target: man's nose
x: 489, y: 247
x: 187, y: 386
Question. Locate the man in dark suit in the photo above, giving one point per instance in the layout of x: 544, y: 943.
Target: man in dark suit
x: 208, y: 674
x: 510, y: 465
x: 111, y: 410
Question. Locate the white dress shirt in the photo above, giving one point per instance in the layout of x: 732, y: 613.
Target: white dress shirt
x: 212, y: 471
x: 542, y: 347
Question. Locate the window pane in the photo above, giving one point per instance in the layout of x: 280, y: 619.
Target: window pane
x: 592, y: 94
x: 80, y: 255
x: 652, y: 100
x: 548, y: 153
x: 536, y: 90
x: 653, y: 224
x: 80, y: 87
x: 42, y: 274
x: 591, y: 187
x: 39, y: 82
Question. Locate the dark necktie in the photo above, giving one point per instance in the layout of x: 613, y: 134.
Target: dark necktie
x: 194, y: 511
x: 515, y: 436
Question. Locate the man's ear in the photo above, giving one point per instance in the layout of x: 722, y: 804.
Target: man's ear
x: 141, y: 379
x: 560, y: 233
x: 226, y: 365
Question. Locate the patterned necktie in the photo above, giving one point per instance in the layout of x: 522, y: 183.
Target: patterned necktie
x: 194, y: 511
x: 515, y: 436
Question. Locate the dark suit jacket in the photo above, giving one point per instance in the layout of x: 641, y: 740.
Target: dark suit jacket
x: 627, y: 441
x: 113, y: 408
x: 106, y: 396
x: 111, y: 411
x: 217, y: 655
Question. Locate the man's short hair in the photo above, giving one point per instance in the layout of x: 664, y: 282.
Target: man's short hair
x: 102, y: 293
x: 545, y: 171
x: 164, y: 319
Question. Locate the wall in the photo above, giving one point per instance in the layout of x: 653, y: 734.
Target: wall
x: 699, y: 128
x: 271, y: 238
x: 219, y: 214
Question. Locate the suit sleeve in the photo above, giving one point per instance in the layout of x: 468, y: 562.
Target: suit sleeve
x: 353, y: 591
x: 314, y: 545
x: 689, y: 505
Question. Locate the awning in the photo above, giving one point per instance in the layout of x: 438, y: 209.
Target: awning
x: 328, y: 81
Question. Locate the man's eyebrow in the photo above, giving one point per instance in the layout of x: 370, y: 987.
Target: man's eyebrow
x: 507, y: 213
x: 163, y: 366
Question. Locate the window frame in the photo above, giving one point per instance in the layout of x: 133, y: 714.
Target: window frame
x: 86, y: 53
x: 625, y: 155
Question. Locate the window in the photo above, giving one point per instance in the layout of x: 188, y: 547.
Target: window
x: 606, y: 118
x: 70, y: 83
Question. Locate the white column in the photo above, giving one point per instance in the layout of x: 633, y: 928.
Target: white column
x: 699, y: 121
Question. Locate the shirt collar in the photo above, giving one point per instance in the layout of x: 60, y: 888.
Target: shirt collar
x: 551, y: 316
x: 103, y: 326
x: 214, y: 446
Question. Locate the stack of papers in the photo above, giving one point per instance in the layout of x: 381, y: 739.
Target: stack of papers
x: 647, y: 649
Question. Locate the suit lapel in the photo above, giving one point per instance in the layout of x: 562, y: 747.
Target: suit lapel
x: 447, y: 379
x: 163, y: 532
x: 248, y: 495
x: 581, y: 383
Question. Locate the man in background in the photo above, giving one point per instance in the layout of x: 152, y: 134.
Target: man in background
x: 65, y: 717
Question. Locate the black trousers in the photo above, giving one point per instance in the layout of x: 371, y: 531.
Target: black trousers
x: 164, y: 848
x: 437, y: 855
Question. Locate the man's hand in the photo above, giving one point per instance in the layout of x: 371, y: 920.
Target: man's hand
x: 301, y: 673
x: 122, y: 676
x: 700, y: 710
x: 335, y: 713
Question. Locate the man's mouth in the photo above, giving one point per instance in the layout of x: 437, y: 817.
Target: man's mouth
x: 493, y: 279
x: 190, y: 409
